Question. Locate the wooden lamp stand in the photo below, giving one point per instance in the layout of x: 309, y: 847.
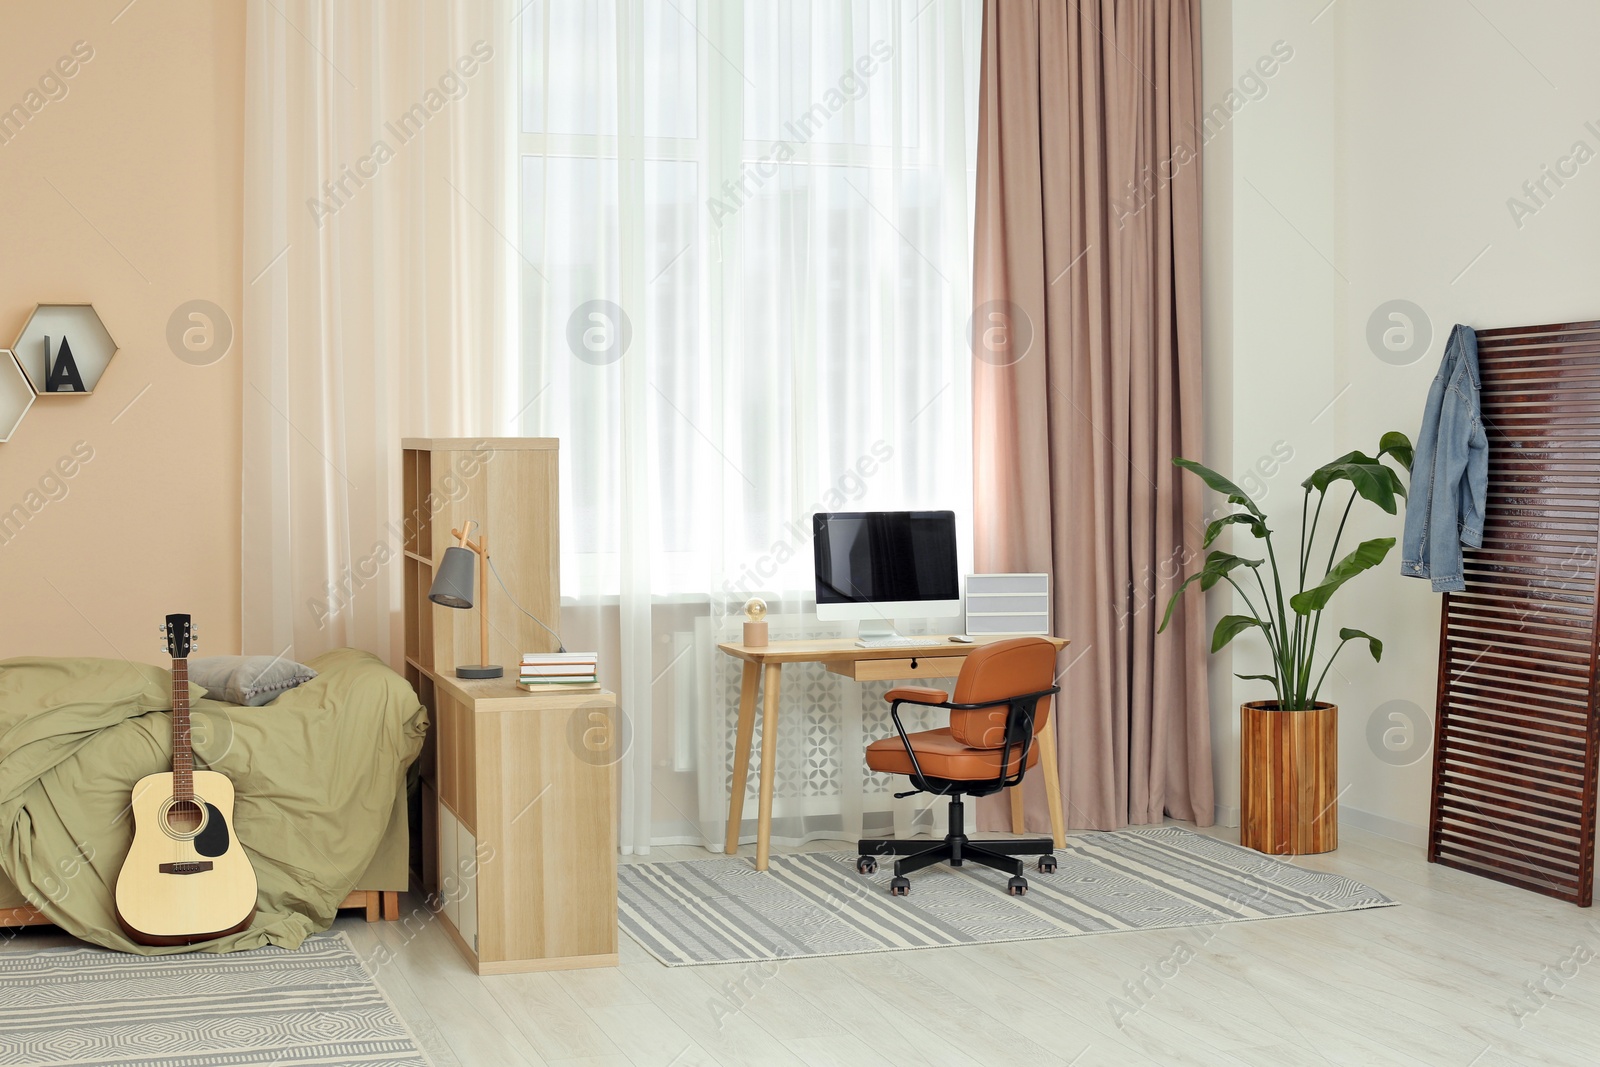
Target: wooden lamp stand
x: 479, y: 548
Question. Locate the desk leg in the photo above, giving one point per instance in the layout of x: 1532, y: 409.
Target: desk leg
x: 1015, y: 793
x: 769, y: 760
x: 741, y: 755
x: 1052, y: 782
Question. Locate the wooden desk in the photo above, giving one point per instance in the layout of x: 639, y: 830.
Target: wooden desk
x: 763, y: 667
x: 526, y: 825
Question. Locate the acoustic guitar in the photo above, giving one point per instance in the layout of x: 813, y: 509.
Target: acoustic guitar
x: 187, y: 878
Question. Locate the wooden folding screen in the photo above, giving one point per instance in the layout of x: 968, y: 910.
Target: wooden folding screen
x: 1517, y: 728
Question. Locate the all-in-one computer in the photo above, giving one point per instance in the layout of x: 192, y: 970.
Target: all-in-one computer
x: 879, y: 566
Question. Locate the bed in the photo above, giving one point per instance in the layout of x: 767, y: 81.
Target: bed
x: 386, y: 877
x: 320, y: 774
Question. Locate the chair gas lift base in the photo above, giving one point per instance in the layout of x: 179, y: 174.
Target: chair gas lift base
x: 1002, y: 700
x: 956, y: 849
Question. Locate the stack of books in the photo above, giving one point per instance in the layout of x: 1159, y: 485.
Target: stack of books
x: 565, y: 671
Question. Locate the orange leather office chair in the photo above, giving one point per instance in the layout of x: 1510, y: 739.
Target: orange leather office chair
x: 1002, y: 700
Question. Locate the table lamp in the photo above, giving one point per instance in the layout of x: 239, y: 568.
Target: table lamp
x: 452, y: 588
x: 755, y: 627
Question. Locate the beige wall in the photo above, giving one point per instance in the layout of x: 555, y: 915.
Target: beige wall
x: 124, y: 191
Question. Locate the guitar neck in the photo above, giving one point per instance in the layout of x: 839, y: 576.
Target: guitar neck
x: 182, y: 753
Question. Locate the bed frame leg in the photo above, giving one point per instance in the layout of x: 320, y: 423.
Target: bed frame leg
x: 379, y: 904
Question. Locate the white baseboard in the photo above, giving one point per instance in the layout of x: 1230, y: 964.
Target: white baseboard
x: 1394, y: 829
x: 1382, y: 825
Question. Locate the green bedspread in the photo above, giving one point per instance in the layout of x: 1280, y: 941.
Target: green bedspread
x: 316, y: 773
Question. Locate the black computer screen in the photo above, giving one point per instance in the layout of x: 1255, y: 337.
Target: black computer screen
x: 881, y: 556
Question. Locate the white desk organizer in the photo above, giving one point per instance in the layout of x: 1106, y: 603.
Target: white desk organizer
x: 1008, y: 604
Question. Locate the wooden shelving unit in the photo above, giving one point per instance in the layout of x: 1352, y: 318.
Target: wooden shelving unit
x: 509, y: 487
x: 517, y: 824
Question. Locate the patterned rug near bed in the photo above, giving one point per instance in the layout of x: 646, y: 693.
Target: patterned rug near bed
x: 268, y: 1006
x: 815, y: 904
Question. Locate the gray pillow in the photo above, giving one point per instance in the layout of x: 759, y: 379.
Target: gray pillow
x: 248, y: 680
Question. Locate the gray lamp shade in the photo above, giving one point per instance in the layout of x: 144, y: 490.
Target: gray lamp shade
x: 452, y: 586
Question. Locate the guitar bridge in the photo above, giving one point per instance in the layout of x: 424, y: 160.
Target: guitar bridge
x: 186, y: 867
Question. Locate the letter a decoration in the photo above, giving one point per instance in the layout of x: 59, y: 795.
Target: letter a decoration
x: 62, y: 376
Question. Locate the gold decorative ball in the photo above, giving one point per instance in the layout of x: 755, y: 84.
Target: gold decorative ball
x: 755, y: 609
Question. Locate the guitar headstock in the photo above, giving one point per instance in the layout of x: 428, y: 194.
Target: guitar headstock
x: 179, y: 636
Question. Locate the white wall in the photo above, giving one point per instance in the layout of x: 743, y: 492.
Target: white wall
x: 1216, y: 285
x: 1376, y: 164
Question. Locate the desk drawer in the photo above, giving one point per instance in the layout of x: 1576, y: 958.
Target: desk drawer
x: 886, y: 670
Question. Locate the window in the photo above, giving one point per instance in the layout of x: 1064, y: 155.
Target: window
x: 746, y: 263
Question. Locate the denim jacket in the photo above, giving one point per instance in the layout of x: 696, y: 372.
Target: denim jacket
x: 1449, y: 473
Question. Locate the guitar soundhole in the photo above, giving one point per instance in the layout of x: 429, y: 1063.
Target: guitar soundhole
x: 184, y: 818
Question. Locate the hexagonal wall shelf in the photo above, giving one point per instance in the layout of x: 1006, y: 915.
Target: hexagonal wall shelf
x: 64, y: 349
x: 16, y: 395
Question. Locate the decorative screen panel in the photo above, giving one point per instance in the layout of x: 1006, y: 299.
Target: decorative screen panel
x: 1516, y: 732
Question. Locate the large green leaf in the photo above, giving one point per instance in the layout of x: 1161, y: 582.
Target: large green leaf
x: 1371, y: 478
x: 1396, y: 444
x: 1231, y: 626
x: 1374, y: 645
x: 1368, y: 554
x: 1257, y: 527
x: 1262, y: 678
x: 1218, y: 563
x: 1172, y: 602
x: 1222, y: 485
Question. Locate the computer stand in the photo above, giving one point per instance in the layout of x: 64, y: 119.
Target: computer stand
x: 877, y: 630
x: 884, y: 636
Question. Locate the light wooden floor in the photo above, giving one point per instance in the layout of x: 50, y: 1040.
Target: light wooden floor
x: 1435, y: 981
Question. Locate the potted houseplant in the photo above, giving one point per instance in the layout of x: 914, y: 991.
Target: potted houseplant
x: 1289, y: 745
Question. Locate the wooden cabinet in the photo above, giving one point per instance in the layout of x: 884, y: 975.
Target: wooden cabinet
x: 527, y: 826
x: 517, y: 806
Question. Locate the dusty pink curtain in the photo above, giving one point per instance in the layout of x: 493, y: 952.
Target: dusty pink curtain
x: 1086, y: 382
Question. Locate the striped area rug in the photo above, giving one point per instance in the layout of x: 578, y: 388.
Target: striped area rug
x: 815, y: 904
x: 264, y: 1008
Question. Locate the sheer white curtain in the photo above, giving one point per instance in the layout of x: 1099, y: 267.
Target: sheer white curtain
x: 745, y: 290
x: 380, y: 290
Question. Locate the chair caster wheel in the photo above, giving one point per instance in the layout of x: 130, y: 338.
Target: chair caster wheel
x: 866, y: 864
x: 1047, y: 865
x: 1017, y: 886
x: 899, y: 887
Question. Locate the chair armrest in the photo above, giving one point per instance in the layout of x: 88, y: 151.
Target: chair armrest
x: 916, y: 694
